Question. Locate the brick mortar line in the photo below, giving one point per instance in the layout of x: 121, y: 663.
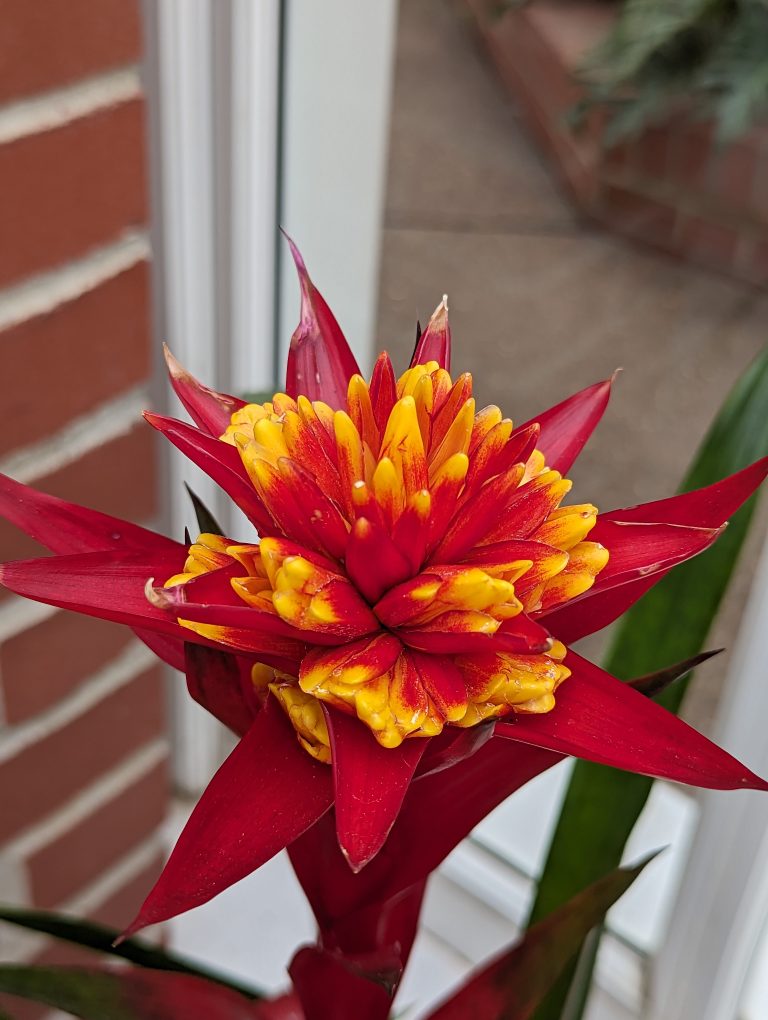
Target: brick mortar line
x: 111, y: 881
x: 124, y: 668
x: 105, y: 789
x: 80, y: 436
x: 57, y: 107
x: 27, y: 944
x: 43, y: 292
x: 18, y: 614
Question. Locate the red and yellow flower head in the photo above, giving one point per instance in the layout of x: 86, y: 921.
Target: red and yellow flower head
x: 416, y: 539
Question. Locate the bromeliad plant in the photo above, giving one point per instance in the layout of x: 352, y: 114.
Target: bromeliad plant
x: 394, y: 651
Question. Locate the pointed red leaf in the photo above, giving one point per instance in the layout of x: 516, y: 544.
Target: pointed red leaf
x: 566, y: 427
x: 438, y: 811
x: 434, y: 344
x: 66, y: 527
x: 599, y: 718
x: 221, y: 683
x: 320, y: 363
x: 335, y: 986
x: 211, y: 411
x: 637, y: 552
x: 220, y: 461
x: 370, y: 782
x: 103, y: 584
x: 267, y: 792
x: 709, y: 507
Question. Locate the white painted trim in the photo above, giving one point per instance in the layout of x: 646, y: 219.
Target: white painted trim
x: 60, y: 106
x: 723, y: 899
x: 212, y: 78
x: 338, y: 84
x: 180, y: 92
x: 255, y: 82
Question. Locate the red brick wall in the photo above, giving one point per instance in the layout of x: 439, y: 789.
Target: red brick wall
x: 83, y: 751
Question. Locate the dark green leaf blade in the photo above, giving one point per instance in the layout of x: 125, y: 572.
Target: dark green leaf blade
x: 654, y: 683
x: 205, y: 520
x: 669, y: 624
x: 125, y: 994
x: 513, y: 985
x: 100, y: 938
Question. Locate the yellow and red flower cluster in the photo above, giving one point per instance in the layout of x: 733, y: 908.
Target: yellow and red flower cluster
x: 419, y: 527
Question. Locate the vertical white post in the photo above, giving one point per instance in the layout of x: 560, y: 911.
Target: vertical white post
x: 212, y: 82
x: 180, y: 92
x: 255, y: 62
x: 338, y: 84
x: 723, y: 900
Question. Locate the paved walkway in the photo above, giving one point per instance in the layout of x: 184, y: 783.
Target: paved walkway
x: 542, y: 303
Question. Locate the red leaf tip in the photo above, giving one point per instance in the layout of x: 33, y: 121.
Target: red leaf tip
x: 175, y: 367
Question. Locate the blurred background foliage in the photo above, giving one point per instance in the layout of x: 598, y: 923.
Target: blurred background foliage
x: 707, y: 58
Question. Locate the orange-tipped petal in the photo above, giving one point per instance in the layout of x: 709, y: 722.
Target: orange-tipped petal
x: 353, y: 664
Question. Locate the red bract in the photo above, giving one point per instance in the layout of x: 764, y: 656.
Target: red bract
x: 394, y: 647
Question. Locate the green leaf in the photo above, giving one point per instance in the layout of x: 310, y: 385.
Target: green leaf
x: 512, y: 986
x: 668, y: 624
x: 125, y: 994
x: 205, y: 520
x: 98, y: 937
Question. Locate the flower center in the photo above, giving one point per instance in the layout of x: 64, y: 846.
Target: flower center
x: 416, y: 541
